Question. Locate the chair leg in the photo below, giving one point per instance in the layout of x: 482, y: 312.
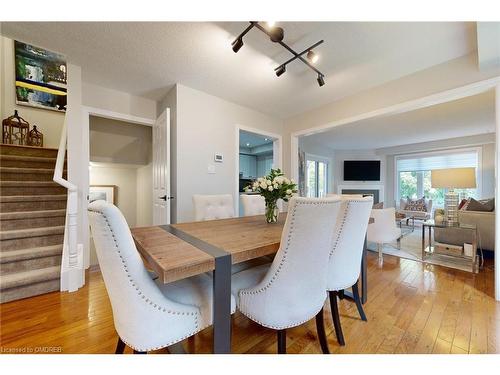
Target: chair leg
x: 355, y: 294
x: 282, y: 341
x: 320, y: 327
x: 120, y: 346
x: 380, y: 255
x: 336, y: 317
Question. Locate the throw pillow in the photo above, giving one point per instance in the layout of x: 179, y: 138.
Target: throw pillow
x: 378, y: 206
x: 475, y: 205
x: 417, y: 205
x: 462, y: 203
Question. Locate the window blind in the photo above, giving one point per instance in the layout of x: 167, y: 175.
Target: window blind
x: 461, y: 159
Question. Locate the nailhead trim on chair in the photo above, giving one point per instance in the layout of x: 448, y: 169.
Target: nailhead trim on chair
x: 243, y: 292
x: 139, y: 292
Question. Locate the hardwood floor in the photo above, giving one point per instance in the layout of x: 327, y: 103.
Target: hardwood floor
x: 411, y: 308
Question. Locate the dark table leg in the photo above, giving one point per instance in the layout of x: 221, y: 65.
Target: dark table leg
x: 222, y: 305
x: 363, y: 277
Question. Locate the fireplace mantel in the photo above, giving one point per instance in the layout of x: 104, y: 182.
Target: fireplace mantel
x: 363, y: 187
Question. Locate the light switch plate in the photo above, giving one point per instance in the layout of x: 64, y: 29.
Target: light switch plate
x: 218, y: 158
x: 211, y: 169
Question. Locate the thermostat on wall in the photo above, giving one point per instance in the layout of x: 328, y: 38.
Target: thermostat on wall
x: 218, y: 158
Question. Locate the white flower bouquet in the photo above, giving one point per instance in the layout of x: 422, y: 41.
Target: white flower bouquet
x: 272, y: 187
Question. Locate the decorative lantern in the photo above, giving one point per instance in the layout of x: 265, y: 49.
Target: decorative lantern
x: 15, y: 130
x: 35, y: 138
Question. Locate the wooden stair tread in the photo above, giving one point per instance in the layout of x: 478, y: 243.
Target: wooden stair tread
x: 31, y: 214
x: 31, y: 253
x: 31, y: 232
x: 26, y: 170
x: 33, y: 198
x: 28, y: 183
x: 27, y: 158
x: 19, y: 279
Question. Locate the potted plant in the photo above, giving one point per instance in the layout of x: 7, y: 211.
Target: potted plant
x: 272, y: 187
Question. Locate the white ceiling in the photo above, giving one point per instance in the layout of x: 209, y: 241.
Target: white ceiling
x: 469, y: 116
x: 148, y: 58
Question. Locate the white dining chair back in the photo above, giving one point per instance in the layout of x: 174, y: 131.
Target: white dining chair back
x: 253, y: 204
x: 293, y: 289
x: 144, y: 317
x: 350, y: 232
x: 213, y: 207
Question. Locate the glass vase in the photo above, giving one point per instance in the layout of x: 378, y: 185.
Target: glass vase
x: 272, y: 212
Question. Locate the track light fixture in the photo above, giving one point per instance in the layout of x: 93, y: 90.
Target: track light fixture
x: 276, y: 34
x: 280, y: 70
x: 321, y: 80
x: 237, y: 44
x: 312, y: 57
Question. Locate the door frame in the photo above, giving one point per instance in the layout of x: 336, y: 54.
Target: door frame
x: 277, y: 157
x: 103, y: 113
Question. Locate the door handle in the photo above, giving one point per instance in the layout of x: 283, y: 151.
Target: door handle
x: 165, y: 198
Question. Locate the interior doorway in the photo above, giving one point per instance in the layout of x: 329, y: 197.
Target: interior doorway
x: 121, y: 169
x: 257, y: 153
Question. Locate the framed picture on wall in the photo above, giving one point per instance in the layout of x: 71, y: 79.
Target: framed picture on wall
x: 102, y: 192
x: 41, y: 77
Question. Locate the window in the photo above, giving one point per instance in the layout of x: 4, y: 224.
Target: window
x: 413, y: 174
x: 316, y: 177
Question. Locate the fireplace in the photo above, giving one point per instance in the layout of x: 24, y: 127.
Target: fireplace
x: 375, y: 193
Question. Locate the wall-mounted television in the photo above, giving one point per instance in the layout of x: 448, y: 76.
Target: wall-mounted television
x: 361, y: 170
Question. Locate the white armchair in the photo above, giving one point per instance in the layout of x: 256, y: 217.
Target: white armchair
x: 213, y: 207
x: 253, y: 204
x: 292, y: 289
x: 147, y: 316
x: 383, y: 229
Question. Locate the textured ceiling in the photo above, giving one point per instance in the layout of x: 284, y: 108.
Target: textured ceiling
x: 469, y: 116
x: 147, y: 59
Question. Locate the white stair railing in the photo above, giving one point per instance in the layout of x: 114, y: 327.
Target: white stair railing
x: 72, y: 268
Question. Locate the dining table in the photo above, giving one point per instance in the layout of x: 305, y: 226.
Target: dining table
x: 178, y: 251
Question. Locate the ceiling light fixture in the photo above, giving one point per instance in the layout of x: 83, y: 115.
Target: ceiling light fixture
x: 280, y: 70
x: 321, y: 80
x: 312, y: 57
x: 276, y: 34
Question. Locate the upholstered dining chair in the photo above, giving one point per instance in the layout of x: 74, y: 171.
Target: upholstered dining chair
x: 384, y: 229
x: 292, y: 289
x: 253, y: 204
x: 147, y: 315
x: 345, y: 258
x: 213, y: 207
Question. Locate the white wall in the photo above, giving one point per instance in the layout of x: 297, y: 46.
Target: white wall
x: 144, y: 197
x: 49, y: 122
x: 206, y: 125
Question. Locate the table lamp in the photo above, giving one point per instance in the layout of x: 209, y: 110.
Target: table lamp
x: 453, y: 178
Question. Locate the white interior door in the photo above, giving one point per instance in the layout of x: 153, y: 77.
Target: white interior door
x: 161, y: 169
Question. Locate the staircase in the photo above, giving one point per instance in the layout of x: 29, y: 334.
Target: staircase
x: 32, y: 218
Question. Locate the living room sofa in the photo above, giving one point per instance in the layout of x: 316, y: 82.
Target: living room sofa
x: 485, y: 222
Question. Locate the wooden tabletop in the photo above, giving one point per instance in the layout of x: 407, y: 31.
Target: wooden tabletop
x: 173, y: 259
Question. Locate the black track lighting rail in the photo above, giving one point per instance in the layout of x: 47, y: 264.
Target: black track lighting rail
x: 277, y: 37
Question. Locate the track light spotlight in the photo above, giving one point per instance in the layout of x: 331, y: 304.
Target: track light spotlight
x: 237, y: 44
x: 312, y: 57
x: 276, y: 34
x: 321, y: 80
x: 281, y: 69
